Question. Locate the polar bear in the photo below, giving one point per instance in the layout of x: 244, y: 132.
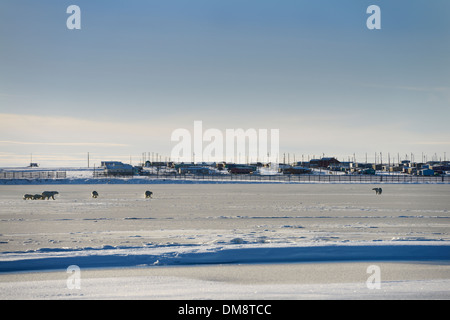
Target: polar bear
x: 28, y: 197
x: 94, y: 194
x: 378, y: 190
x: 38, y: 197
x: 49, y: 194
x: 148, y: 194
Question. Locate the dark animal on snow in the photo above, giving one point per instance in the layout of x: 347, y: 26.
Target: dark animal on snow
x: 378, y: 190
x: 49, y: 194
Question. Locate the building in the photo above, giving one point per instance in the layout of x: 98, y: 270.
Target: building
x: 410, y: 170
x: 117, y: 168
x: 241, y: 170
x: 324, y: 162
x: 368, y: 171
x: 249, y: 168
x: 297, y: 170
x: 149, y: 164
x: 440, y: 169
x: 195, y: 170
x: 426, y: 172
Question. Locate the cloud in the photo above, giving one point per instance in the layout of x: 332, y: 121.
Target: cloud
x: 435, y: 143
x: 440, y: 89
x: 312, y: 132
x: 51, y: 130
x: 82, y: 144
x: 66, y: 140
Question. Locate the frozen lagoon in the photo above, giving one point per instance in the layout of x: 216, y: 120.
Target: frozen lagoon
x: 227, y: 227
x: 220, y: 214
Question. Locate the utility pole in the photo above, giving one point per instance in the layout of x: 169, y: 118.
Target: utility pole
x: 389, y: 162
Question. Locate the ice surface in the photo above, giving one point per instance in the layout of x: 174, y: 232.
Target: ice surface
x: 222, y: 224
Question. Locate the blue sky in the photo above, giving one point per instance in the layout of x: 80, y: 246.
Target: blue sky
x: 137, y: 70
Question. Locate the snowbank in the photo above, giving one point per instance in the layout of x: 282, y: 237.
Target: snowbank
x: 108, y: 256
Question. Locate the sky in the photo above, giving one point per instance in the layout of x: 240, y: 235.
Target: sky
x: 138, y: 70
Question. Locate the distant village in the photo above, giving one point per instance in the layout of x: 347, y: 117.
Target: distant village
x: 328, y: 169
x: 324, y: 165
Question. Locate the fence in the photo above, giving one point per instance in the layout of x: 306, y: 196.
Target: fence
x: 300, y: 178
x: 307, y: 178
x: 33, y: 175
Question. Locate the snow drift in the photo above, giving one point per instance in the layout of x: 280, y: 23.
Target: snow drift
x: 108, y: 257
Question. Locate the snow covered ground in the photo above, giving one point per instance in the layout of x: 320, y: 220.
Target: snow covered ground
x: 232, y: 281
x: 226, y: 241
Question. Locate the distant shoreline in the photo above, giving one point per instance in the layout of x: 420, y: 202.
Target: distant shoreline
x: 66, y: 175
x: 324, y: 179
